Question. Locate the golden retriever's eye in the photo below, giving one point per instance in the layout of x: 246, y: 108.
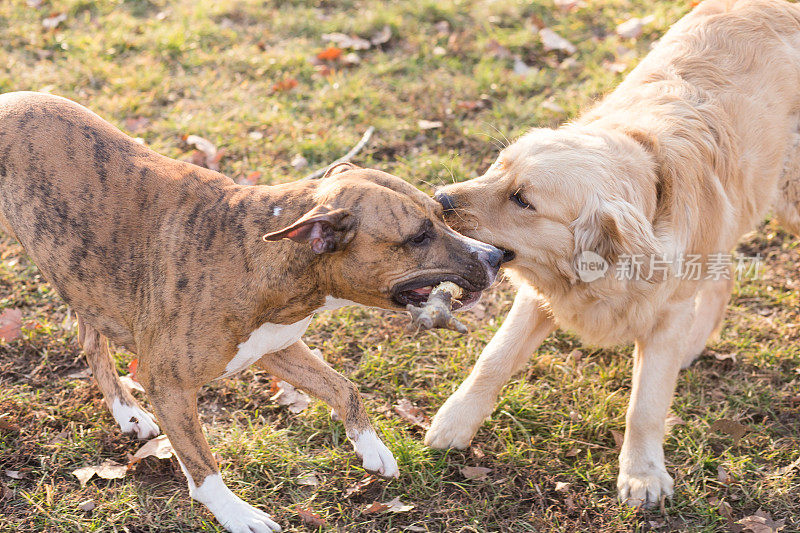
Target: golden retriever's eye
x: 519, y: 200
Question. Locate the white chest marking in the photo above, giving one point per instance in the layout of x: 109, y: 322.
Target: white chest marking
x: 269, y: 338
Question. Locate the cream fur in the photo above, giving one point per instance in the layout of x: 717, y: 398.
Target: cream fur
x: 687, y: 154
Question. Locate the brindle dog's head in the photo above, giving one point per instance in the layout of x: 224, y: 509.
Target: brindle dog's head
x: 385, y: 243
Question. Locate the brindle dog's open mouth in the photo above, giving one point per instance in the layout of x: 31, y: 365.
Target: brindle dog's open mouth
x: 416, y: 291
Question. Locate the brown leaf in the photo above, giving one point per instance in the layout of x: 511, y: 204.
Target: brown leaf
x: 15, y: 474
x: 562, y: 486
x: 108, y: 469
x: 296, y: 400
x: 136, y: 124
x: 209, y: 151
x: 310, y: 480
x: 10, y: 325
x: 358, y: 487
x: 286, y: 84
x: 475, y: 472
x: 572, y: 452
x: 411, y: 413
x: 725, y: 356
x: 330, y: 54
x: 158, y: 447
x: 731, y: 427
x: 429, y: 124
x: 619, y: 438
x: 88, y: 505
x: 761, y: 522
x: 375, y: 508
x: 722, y: 475
x: 309, y: 517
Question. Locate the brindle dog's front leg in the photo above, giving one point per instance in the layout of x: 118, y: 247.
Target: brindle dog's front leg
x: 299, y: 366
x: 176, y: 409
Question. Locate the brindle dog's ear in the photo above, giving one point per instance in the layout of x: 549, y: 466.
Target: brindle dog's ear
x: 338, y: 168
x: 326, y: 229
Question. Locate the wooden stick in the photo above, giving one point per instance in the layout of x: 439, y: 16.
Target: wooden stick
x: 346, y: 157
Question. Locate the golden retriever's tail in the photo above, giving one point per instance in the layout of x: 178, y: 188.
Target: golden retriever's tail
x: 787, y: 204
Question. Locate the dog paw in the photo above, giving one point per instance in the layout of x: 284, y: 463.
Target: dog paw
x: 456, y: 423
x: 134, y: 419
x: 375, y: 456
x: 644, y: 489
x: 233, y: 513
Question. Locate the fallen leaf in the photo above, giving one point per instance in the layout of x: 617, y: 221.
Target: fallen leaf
x: 330, y: 54
x: 309, y: 517
x: 553, y: 41
x: 158, y: 447
x: 731, y: 427
x: 342, y: 40
x: 761, y: 522
x: 80, y: 374
x: 251, y: 178
x: 351, y: 59
x: 411, y: 413
x: 630, y: 29
x: 131, y: 383
x: 14, y: 474
x: 10, y: 325
x: 671, y: 421
x: 87, y: 506
x: 498, y: 50
x: 617, y: 67
x: 619, y: 438
x: 725, y: 356
x: 722, y: 475
x: 374, y: 508
x: 572, y: 452
x: 382, y: 36
x: 132, y: 368
x: 211, y: 156
x: 358, y: 487
x: 299, y: 162
x: 54, y: 20
x: 521, y: 68
x: 310, y: 480
x: 296, y: 400
x: 108, y: 469
x: 35, y: 4
x: 136, y: 124
x: 396, y: 506
x: 416, y: 529
x: 429, y: 124
x: 475, y: 472
x: 286, y: 84
x: 562, y: 487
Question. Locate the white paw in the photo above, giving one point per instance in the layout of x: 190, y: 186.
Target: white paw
x: 134, y: 419
x: 457, y: 421
x: 233, y: 513
x: 644, y: 488
x: 374, y: 454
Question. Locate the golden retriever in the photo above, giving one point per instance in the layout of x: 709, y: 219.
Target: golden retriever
x: 685, y: 156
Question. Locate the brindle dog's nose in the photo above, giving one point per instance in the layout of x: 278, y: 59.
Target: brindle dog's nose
x: 446, y: 200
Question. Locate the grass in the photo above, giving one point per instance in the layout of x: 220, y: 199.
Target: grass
x: 208, y: 68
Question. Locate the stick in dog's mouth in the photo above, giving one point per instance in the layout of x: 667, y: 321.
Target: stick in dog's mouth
x: 431, y: 305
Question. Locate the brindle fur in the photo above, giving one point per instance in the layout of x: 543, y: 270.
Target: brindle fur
x: 166, y: 258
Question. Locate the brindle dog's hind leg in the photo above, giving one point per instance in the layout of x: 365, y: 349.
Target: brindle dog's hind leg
x: 299, y: 366
x: 126, y: 410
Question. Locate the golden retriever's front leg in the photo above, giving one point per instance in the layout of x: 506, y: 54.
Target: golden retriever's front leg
x: 299, y: 366
x: 643, y: 477
x: 526, y: 326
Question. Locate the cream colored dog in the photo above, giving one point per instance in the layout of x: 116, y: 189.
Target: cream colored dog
x: 685, y: 156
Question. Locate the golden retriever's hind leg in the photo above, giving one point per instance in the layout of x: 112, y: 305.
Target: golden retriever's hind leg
x: 709, y: 310
x: 525, y: 328
x: 123, y: 406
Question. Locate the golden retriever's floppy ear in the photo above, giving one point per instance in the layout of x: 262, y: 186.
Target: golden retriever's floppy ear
x: 617, y: 230
x: 338, y: 168
x: 326, y: 229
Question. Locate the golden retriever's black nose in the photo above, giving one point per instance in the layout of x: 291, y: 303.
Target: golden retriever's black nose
x: 446, y: 200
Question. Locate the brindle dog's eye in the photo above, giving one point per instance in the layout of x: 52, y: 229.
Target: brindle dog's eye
x: 519, y: 200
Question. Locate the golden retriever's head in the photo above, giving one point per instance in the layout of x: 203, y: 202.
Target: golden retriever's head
x: 555, y: 194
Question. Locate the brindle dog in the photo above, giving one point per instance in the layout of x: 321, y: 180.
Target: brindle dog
x: 202, y: 277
